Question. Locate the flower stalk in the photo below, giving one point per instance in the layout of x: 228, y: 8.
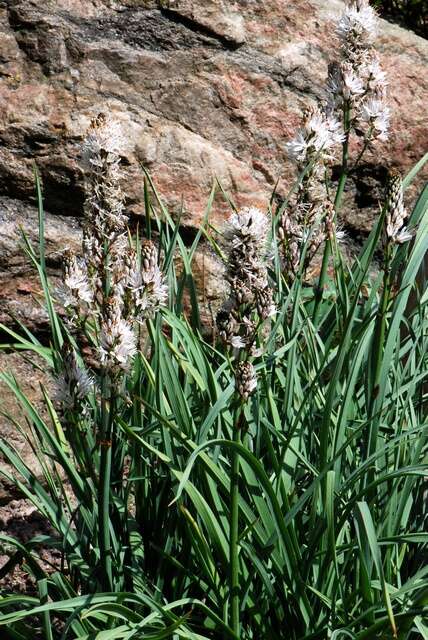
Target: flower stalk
x: 345, y: 153
x: 240, y: 322
x: 395, y: 233
x: 319, y: 289
x: 109, y: 292
x: 105, y: 444
x: 234, y: 583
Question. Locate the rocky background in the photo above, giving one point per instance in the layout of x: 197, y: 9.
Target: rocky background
x: 202, y: 89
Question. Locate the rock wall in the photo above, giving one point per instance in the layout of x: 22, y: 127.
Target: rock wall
x: 202, y: 88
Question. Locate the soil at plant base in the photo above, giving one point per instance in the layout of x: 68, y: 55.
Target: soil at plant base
x: 20, y: 520
x: 202, y: 89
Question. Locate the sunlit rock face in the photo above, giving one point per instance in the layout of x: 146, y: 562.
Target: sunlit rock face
x: 202, y: 89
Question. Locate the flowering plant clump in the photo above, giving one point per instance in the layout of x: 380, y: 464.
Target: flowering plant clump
x: 262, y: 480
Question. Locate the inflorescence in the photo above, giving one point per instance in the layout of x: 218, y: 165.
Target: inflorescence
x: 112, y: 287
x: 251, y: 301
x: 356, y: 102
x: 357, y: 84
x: 396, y: 214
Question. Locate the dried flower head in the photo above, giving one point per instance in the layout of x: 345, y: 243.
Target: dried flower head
x: 250, y: 295
x: 357, y: 83
x: 103, y: 136
x: 245, y: 238
x: 104, y: 205
x: 117, y: 339
x: 144, y: 282
x: 77, y: 288
x: 396, y: 213
x: 375, y: 115
x: 245, y: 227
x: 74, y: 383
x: 118, y: 285
x: 245, y: 380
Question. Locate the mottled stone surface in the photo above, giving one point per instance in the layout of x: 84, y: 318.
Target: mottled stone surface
x: 203, y: 89
x: 21, y: 296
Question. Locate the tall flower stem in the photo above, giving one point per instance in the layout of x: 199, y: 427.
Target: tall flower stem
x: 376, y: 367
x: 345, y: 157
x: 395, y: 232
x: 364, y: 148
x: 379, y: 339
x: 234, y: 591
x: 319, y: 289
x: 104, y: 487
x: 343, y: 175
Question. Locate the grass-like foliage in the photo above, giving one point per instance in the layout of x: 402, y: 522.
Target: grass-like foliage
x: 332, y: 458
x: 260, y: 479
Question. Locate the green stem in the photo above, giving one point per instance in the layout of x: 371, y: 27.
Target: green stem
x: 379, y: 339
x: 104, y: 489
x: 319, y: 289
x: 380, y: 336
x: 345, y: 158
x: 234, y: 529
x: 376, y: 368
x: 364, y: 149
